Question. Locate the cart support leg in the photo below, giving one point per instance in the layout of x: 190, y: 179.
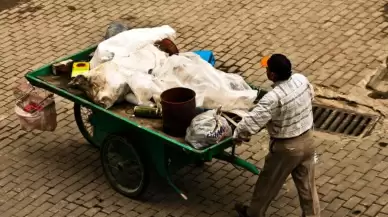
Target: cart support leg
x: 169, y: 181
x: 176, y: 188
x: 163, y: 164
x: 239, y: 162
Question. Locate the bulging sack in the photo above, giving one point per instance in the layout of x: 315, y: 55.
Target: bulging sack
x: 207, y: 129
x: 104, y: 85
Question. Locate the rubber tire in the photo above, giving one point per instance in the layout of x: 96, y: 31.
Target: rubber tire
x: 146, y: 174
x: 81, y: 126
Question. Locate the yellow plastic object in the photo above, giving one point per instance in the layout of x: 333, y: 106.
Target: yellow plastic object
x: 79, y: 68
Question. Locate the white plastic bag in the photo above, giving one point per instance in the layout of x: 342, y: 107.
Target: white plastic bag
x: 43, y: 120
x: 181, y: 71
x: 128, y: 66
x: 129, y: 41
x: 35, y: 108
x: 143, y: 88
x: 137, y: 69
x: 104, y: 84
x: 143, y: 60
x: 126, y: 78
x: 207, y: 128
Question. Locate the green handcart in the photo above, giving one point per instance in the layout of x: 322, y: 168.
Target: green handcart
x: 131, y: 146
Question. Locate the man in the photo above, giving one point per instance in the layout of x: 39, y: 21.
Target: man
x: 286, y: 111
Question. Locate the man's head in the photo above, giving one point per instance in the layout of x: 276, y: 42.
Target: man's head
x: 278, y: 67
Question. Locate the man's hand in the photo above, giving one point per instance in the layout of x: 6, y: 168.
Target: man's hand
x: 239, y: 138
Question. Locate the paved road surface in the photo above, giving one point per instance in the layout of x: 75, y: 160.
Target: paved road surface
x: 334, y: 42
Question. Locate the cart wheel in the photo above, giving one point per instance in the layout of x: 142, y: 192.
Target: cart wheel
x: 82, y: 118
x: 123, y: 166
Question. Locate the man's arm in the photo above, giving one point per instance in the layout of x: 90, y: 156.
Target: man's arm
x: 255, y: 120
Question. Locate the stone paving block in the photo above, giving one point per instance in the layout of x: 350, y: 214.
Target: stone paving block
x: 342, y: 212
x: 359, y: 184
x: 373, y: 210
x: 335, y: 205
x: 369, y: 200
x: 55, y: 174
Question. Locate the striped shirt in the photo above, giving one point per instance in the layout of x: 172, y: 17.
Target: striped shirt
x: 286, y: 110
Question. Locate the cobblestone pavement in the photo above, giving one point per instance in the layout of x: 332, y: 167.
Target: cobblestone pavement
x: 334, y: 42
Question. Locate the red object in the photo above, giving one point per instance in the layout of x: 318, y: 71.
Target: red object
x: 32, y: 107
x: 168, y: 46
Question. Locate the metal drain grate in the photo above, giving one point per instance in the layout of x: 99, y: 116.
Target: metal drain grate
x: 336, y: 120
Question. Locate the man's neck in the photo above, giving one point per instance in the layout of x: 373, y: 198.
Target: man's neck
x: 276, y: 83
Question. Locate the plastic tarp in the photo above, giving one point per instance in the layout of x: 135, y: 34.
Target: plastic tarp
x: 122, y: 44
x: 129, y: 66
x: 214, y: 88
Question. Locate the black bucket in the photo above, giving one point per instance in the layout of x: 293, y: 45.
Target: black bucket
x: 178, y: 109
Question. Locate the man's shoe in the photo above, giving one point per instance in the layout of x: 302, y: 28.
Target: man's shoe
x: 241, y: 210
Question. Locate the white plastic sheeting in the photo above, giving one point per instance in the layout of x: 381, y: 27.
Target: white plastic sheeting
x: 129, y: 66
x: 214, y: 88
x: 124, y: 43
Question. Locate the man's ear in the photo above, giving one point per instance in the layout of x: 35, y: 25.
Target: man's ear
x: 273, y: 76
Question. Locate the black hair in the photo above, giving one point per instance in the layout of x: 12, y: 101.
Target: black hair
x: 281, y: 66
